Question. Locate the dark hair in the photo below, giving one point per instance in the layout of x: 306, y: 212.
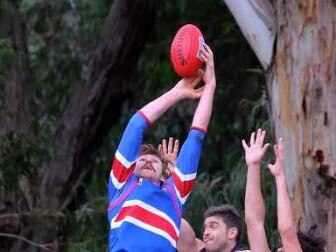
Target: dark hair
x: 229, y: 215
x: 311, y: 243
x: 148, y: 149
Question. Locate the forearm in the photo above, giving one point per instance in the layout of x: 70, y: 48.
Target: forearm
x: 284, y: 210
x: 204, y: 109
x: 255, y: 211
x: 286, y: 224
x: 254, y: 203
x: 160, y: 105
x: 187, y: 239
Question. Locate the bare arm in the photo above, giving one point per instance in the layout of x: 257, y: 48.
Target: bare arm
x: 187, y: 241
x: 254, y: 203
x: 286, y: 224
x: 184, y: 89
x: 204, y: 109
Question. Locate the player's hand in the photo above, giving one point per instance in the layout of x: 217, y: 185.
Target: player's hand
x: 257, y: 149
x: 169, y: 150
x: 187, y: 86
x: 277, y: 169
x: 209, y: 76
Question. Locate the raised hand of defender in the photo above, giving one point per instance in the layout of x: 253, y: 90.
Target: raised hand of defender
x: 169, y: 151
x: 277, y: 168
x: 257, y: 149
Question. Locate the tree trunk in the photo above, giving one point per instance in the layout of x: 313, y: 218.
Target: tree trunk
x: 18, y: 114
x: 17, y: 89
x: 302, y: 93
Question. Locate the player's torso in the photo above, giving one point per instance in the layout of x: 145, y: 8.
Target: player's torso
x: 150, y: 211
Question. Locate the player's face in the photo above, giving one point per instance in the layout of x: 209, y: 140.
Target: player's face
x: 150, y: 167
x: 216, y: 234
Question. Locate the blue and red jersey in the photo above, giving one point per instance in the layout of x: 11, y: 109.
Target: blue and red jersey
x: 145, y: 216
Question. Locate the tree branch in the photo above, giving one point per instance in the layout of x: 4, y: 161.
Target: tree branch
x: 41, y: 246
x: 257, y: 21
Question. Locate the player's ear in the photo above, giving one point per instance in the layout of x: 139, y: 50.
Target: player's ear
x: 233, y: 233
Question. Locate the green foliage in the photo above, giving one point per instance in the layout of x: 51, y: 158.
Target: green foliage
x: 60, y: 35
x: 19, y: 157
x: 88, y: 225
x: 7, y: 57
x: 87, y: 232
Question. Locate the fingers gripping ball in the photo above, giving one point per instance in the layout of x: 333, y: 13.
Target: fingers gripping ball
x: 185, y: 50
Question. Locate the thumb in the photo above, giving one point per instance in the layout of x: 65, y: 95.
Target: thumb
x: 272, y: 169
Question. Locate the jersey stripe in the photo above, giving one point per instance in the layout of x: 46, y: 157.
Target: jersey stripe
x: 183, y: 184
x: 121, y: 170
x: 127, y: 164
x: 147, y: 217
x: 146, y: 227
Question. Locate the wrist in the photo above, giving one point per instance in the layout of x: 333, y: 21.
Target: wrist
x: 211, y: 82
x: 177, y: 94
x: 253, y: 165
x: 280, y: 177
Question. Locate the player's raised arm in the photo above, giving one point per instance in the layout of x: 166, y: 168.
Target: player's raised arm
x: 184, y: 89
x: 204, y: 109
x: 286, y: 224
x: 189, y: 157
x: 254, y: 203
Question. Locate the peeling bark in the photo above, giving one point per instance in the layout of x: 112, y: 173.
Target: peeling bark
x: 256, y: 20
x: 302, y: 95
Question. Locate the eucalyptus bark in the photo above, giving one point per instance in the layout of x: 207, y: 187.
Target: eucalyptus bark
x: 302, y: 91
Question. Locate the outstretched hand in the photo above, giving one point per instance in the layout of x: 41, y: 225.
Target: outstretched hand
x: 207, y: 56
x: 277, y: 168
x: 187, y: 86
x: 169, y: 151
x: 257, y: 149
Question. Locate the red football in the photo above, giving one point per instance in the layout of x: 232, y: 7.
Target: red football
x: 185, y: 50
